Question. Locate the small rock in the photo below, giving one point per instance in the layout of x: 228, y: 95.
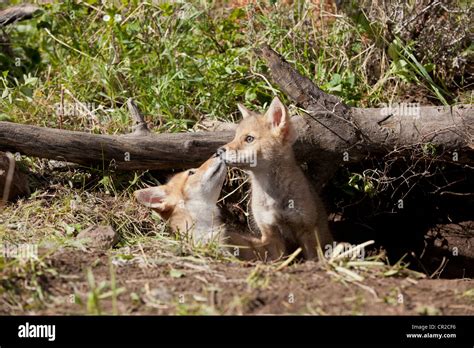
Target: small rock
x: 99, y: 237
x: 159, y: 294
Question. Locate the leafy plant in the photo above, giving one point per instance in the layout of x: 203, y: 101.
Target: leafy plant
x: 406, y: 66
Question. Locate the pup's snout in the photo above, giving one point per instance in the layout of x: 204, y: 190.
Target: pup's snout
x: 221, y: 151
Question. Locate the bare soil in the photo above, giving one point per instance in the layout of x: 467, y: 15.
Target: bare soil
x: 188, y: 285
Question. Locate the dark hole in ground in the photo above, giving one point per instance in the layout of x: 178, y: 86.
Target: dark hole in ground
x: 432, y: 229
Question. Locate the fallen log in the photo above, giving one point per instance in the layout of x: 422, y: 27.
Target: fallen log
x: 126, y: 152
x: 442, y: 127
x: 330, y: 133
x: 139, y: 150
x: 17, y: 13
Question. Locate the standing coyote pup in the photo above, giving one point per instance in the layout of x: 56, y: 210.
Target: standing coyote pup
x: 189, y: 203
x: 285, y: 208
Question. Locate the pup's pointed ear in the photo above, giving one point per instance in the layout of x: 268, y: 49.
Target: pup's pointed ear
x: 278, y: 118
x: 244, y: 111
x: 277, y: 114
x: 153, y: 197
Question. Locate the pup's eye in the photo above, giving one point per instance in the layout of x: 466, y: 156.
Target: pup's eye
x: 249, y: 138
x: 191, y: 172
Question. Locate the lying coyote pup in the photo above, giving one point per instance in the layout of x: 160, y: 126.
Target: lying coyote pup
x: 287, y: 211
x: 188, y: 202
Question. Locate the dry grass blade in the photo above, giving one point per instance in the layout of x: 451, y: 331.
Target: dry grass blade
x: 289, y: 259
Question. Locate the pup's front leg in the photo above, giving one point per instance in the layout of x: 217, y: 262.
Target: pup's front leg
x: 308, y: 243
x: 273, y: 242
x: 244, y: 246
x: 269, y: 247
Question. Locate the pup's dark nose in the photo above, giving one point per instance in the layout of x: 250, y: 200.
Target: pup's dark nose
x: 220, y: 151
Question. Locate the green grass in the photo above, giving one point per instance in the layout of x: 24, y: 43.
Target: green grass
x: 185, y: 61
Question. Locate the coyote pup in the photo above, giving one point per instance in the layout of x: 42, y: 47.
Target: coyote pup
x: 189, y: 203
x: 285, y: 208
x: 188, y: 200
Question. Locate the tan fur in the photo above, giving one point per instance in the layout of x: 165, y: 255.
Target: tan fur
x: 285, y: 207
x: 188, y: 202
